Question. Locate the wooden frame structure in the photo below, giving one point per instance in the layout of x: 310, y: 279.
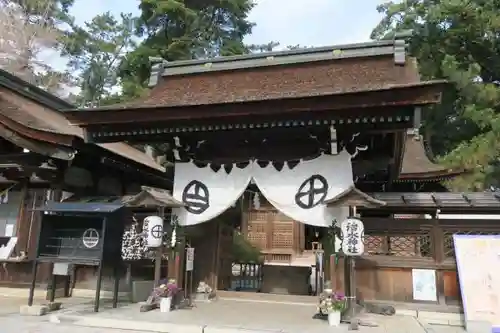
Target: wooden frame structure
x: 40, y: 151
x: 416, y: 238
x: 219, y: 111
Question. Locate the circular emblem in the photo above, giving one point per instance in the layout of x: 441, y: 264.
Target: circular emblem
x: 90, y: 238
x: 196, y: 197
x: 311, y: 192
x: 157, y: 231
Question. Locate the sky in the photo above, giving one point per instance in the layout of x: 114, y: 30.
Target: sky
x: 289, y: 22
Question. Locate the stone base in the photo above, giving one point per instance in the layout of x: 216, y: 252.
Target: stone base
x: 54, y: 306
x: 34, y: 310
x: 39, y: 310
x: 202, y: 297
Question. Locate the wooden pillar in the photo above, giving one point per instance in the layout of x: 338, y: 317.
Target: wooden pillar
x: 214, y: 275
x: 350, y: 279
x: 244, y: 215
x: 437, y: 241
x: 22, y: 228
x: 159, y: 252
x: 180, y: 262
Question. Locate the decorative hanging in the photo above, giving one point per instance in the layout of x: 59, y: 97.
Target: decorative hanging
x: 256, y: 201
x: 205, y: 192
x: 133, y: 245
x: 299, y: 192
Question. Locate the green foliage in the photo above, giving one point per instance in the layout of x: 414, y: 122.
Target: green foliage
x: 243, y: 251
x: 457, y: 40
x: 96, y: 51
x: 182, y: 30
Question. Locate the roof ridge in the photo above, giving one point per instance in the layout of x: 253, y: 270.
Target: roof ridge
x: 395, y: 47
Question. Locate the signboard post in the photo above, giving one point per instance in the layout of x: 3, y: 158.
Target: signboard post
x: 352, y: 230
x: 189, y: 271
x: 189, y: 259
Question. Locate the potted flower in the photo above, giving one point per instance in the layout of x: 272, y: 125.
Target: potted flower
x: 169, y: 291
x: 172, y: 288
x: 333, y: 305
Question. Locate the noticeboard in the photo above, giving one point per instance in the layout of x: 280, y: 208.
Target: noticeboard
x: 478, y: 262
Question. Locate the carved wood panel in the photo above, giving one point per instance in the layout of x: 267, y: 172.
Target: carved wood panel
x: 270, y: 230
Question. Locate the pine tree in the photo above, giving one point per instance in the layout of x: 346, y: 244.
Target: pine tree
x: 458, y: 41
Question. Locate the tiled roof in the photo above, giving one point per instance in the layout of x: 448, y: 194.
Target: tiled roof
x: 35, y: 116
x: 417, y: 164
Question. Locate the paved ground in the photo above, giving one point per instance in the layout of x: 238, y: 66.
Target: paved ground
x: 221, y: 316
x: 17, y: 324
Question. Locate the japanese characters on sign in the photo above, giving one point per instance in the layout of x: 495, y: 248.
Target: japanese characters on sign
x: 189, y: 259
x: 352, y: 236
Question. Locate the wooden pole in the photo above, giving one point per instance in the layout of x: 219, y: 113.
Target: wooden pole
x: 350, y: 280
x: 159, y: 253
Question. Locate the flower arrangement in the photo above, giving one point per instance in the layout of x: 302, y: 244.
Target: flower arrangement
x: 170, y: 289
x: 333, y: 302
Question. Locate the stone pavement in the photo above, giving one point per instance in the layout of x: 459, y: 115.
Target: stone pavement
x: 233, y: 316
x: 18, y: 324
x: 217, y: 317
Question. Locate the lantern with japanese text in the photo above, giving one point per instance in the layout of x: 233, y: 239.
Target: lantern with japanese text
x: 153, y: 231
x: 352, y: 236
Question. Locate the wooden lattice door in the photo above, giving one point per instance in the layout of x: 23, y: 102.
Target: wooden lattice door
x: 273, y: 233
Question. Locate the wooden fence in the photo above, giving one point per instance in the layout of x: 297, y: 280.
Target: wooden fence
x: 393, y: 247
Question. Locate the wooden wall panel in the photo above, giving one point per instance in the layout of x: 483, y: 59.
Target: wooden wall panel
x: 451, y: 284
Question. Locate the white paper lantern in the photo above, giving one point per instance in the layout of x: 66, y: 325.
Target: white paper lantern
x: 353, y: 232
x: 153, y: 230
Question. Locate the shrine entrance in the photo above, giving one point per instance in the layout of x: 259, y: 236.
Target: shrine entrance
x: 261, y: 146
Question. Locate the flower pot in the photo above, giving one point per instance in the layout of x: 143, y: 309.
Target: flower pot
x: 165, y: 304
x: 334, y: 318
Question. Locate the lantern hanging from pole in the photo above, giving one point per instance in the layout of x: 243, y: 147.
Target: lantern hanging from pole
x: 353, y: 232
x: 153, y: 231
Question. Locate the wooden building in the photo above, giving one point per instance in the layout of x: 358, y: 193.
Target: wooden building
x: 281, y: 107
x: 46, y: 158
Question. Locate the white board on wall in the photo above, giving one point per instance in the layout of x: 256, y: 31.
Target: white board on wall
x: 424, y: 285
x: 478, y: 265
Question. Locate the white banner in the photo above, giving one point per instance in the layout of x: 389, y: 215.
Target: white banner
x: 206, y: 193
x: 299, y: 192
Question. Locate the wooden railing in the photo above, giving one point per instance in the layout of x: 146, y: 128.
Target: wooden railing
x: 283, y: 256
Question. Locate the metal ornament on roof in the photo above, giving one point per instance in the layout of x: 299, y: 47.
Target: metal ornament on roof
x: 352, y: 233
